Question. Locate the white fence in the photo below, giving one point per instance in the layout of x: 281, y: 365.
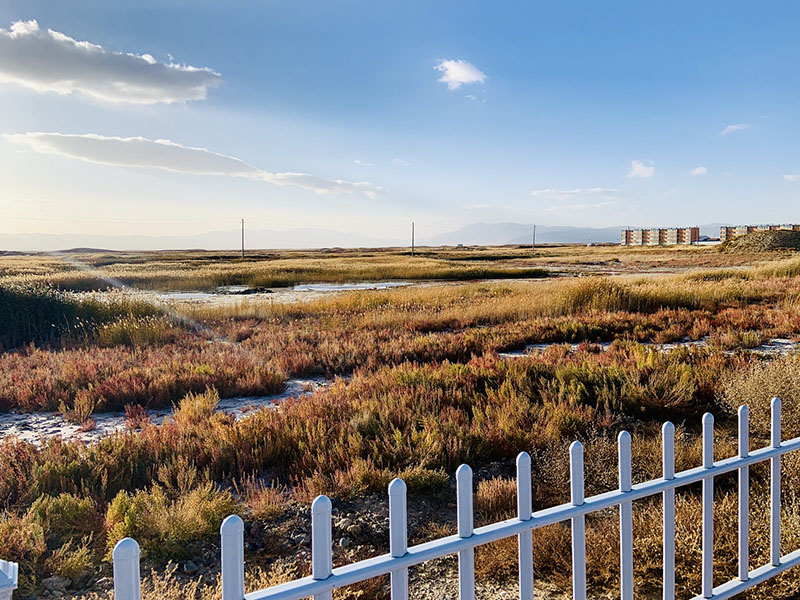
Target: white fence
x: 9, y: 572
x: 325, y: 579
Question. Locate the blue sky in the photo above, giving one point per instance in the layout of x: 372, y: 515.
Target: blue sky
x: 581, y: 113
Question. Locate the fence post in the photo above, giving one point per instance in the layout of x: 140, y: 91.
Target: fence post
x: 127, y: 584
x: 708, y: 507
x: 524, y: 513
x: 321, y: 542
x: 398, y: 536
x: 775, y: 486
x: 232, y: 548
x: 668, y: 500
x: 744, y: 495
x: 9, y: 579
x: 625, y: 517
x: 578, y: 523
x: 466, y: 558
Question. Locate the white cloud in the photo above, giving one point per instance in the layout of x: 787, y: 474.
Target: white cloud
x: 640, y: 169
x: 734, y: 128
x: 361, y: 163
x: 792, y: 177
x: 699, y: 171
x: 459, y: 72
x: 401, y: 163
x: 169, y: 156
x: 49, y: 61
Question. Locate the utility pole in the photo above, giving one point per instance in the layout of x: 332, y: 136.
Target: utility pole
x: 412, y: 238
x: 533, y: 244
x: 242, y: 238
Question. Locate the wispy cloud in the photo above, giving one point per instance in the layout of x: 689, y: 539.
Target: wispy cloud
x: 578, y: 206
x: 168, y: 156
x: 456, y: 73
x: 556, y: 194
x: 733, y: 128
x: 577, y: 199
x: 401, y: 163
x: 699, y: 171
x: 361, y: 163
x: 792, y: 177
x: 50, y: 61
x: 640, y: 169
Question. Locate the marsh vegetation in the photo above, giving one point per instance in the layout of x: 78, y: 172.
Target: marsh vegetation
x: 417, y: 387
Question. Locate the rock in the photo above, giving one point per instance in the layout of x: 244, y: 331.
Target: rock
x: 56, y: 583
x: 344, y: 542
x: 190, y: 567
x: 302, y: 539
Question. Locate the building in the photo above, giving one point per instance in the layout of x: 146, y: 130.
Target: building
x: 660, y: 236
x: 727, y: 232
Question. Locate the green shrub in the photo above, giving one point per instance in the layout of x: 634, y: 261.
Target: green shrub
x: 65, y: 517
x: 164, y: 526
x: 22, y: 541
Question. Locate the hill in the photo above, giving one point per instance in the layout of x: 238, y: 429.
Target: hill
x: 763, y: 241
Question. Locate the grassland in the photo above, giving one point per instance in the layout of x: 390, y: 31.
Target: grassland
x: 418, y: 387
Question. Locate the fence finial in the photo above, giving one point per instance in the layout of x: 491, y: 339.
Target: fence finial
x: 232, y: 557
x: 127, y: 582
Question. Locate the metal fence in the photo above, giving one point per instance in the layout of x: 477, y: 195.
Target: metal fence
x: 324, y: 578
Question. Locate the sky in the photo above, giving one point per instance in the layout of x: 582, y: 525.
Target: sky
x: 179, y: 117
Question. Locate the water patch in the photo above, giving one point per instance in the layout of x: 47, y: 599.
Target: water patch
x: 775, y: 347
x: 346, y: 287
x: 32, y: 427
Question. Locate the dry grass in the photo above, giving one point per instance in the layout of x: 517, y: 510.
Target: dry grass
x: 756, y: 385
x: 427, y: 392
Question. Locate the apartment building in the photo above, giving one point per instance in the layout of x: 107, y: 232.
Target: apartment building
x: 660, y: 236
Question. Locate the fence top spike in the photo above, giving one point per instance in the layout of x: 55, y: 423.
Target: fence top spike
x: 397, y: 487
x: 463, y: 471
x: 321, y: 505
x: 743, y: 410
x: 523, y: 458
x: 667, y: 428
x: 575, y: 449
x: 776, y: 402
x: 624, y: 437
x: 126, y: 548
x: 708, y: 419
x: 232, y: 525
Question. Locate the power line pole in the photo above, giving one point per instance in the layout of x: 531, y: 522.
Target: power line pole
x: 533, y: 244
x: 242, y: 238
x: 412, y: 238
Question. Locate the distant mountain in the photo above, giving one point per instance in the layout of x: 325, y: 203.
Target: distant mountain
x: 518, y: 233
x: 305, y: 237
x: 214, y: 240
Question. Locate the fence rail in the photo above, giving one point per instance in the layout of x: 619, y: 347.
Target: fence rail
x: 324, y: 578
